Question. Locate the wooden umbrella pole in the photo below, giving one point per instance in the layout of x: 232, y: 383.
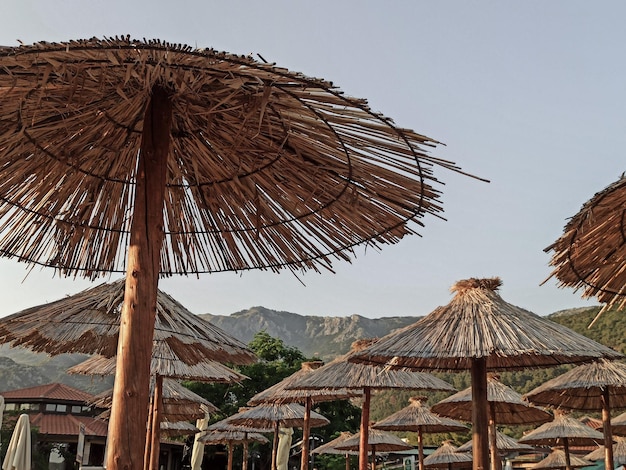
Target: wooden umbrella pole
x: 275, y: 445
x: 363, y: 437
x: 606, y: 427
x: 347, y: 461
x: 568, y: 463
x: 495, y: 461
x: 230, y: 456
x: 420, y: 448
x: 373, y: 458
x: 306, y: 434
x: 155, y: 437
x: 146, y: 454
x: 131, y: 392
x: 480, y: 427
x: 244, y: 462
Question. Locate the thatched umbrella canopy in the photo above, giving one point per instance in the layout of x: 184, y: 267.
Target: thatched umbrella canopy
x: 152, y: 158
x: 343, y: 374
x: 330, y: 447
x: 591, y: 253
x: 176, y: 428
x: 558, y: 458
x: 619, y: 452
x: 447, y: 456
x: 281, y: 393
x: 589, y: 387
x: 230, y: 439
x: 225, y: 426
x: 504, y: 444
x: 417, y: 417
x: 504, y: 406
x: 479, y: 331
x: 378, y: 441
x: 563, y: 430
x: 288, y: 415
x: 618, y: 425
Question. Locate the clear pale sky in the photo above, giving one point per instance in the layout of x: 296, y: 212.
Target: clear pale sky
x: 531, y: 95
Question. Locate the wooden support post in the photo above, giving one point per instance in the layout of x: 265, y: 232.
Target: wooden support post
x: 480, y: 425
x: 494, y: 455
x: 131, y: 392
x: 606, y: 428
x: 157, y: 412
x: 365, y: 422
x: 306, y: 434
x: 420, y: 448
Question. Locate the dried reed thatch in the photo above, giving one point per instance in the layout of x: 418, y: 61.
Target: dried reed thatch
x: 288, y: 415
x: 261, y: 160
x: 590, y: 254
x: 331, y: 446
x: 619, y: 452
x: 417, y: 417
x: 234, y: 437
x: 88, y: 322
x: 378, y: 441
x: 177, y: 428
x: 589, y: 387
x: 207, y: 371
x: 618, y: 425
x: 506, y: 406
x: 179, y: 403
x: 559, y: 459
x: 447, y: 456
x: 478, y: 323
x: 560, y: 429
x: 504, y: 444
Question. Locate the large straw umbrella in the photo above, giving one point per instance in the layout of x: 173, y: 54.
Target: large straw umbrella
x: 343, y: 374
x: 479, y: 331
x: 230, y: 439
x: 589, y: 387
x: 447, y: 456
x: 288, y: 415
x: 417, y: 417
x: 504, y: 406
x: 591, y: 253
x: 563, y: 430
x: 281, y: 393
x: 618, y: 425
x: 504, y: 444
x: 146, y: 157
x: 558, y: 458
x: 377, y: 441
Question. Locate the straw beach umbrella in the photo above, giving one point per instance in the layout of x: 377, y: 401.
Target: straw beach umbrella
x: 417, y: 417
x: 479, y: 331
x: 619, y: 452
x: 591, y: 253
x: 225, y: 426
x: 504, y: 444
x: 589, y: 387
x: 560, y: 459
x: 447, y: 456
x: 343, y: 374
x: 504, y: 406
x: 377, y: 441
x: 563, y: 430
x: 618, y: 425
x: 289, y: 415
x: 331, y: 447
x: 281, y: 393
x: 152, y: 158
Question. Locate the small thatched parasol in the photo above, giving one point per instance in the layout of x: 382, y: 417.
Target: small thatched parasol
x: 225, y: 426
x: 378, y: 441
x: 563, y: 430
x: 504, y: 444
x: 417, y: 417
x: 618, y: 425
x: 281, y: 393
x: 231, y: 438
x: 288, y: 415
x: 559, y: 458
x: 176, y: 428
x: 619, y: 452
x: 447, y: 456
x: 591, y: 253
x: 146, y: 157
x: 590, y: 387
x: 343, y: 374
x: 330, y: 447
x: 479, y: 331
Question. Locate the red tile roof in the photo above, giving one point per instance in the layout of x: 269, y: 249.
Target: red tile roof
x: 55, y: 391
x: 67, y: 425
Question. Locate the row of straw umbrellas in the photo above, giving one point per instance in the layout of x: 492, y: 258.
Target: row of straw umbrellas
x: 476, y: 331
